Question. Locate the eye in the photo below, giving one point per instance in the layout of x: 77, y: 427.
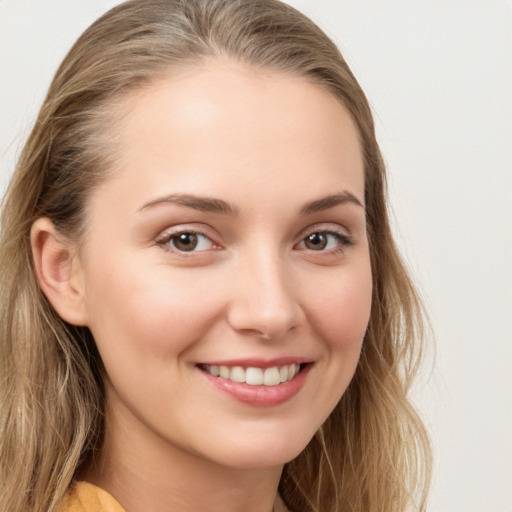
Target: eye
x: 325, y: 241
x: 187, y: 241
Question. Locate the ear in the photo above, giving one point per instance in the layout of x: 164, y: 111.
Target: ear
x: 58, y: 272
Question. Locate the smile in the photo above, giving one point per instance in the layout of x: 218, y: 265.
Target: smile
x: 254, y: 376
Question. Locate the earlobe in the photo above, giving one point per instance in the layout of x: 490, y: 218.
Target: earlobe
x: 58, y: 272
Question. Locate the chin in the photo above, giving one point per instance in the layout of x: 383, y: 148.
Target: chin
x: 267, y: 451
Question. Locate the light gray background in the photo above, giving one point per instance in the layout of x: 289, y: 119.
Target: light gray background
x: 438, y: 75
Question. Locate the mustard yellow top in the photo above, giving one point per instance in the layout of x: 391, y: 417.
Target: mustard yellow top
x: 85, y: 497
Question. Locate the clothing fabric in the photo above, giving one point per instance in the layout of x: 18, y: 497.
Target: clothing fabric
x: 86, y: 497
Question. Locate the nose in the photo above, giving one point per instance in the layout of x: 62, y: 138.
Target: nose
x: 264, y: 301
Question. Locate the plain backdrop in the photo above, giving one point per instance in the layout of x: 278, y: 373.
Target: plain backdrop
x: 438, y: 75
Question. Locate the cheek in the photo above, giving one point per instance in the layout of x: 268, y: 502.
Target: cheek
x: 151, y: 314
x: 338, y: 309
x: 342, y: 309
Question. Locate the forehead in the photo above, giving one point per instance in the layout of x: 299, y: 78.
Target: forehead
x: 223, y: 122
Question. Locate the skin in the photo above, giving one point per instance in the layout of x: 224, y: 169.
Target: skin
x: 267, y: 144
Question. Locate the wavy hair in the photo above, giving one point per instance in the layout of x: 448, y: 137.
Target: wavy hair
x: 372, y: 454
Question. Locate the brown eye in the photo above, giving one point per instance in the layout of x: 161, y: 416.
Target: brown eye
x: 185, y: 241
x: 326, y: 241
x: 316, y: 241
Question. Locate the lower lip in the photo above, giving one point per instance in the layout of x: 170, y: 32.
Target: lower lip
x: 261, y: 396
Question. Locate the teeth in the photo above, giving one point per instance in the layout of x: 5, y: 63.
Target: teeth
x: 255, y: 376
x: 271, y: 376
x: 237, y: 374
x: 224, y: 372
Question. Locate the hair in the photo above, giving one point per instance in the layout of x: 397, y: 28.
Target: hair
x: 372, y: 453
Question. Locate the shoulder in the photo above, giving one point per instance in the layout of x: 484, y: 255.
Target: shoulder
x: 85, y: 497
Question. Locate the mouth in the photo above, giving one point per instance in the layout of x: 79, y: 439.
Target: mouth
x: 255, y: 375
x: 258, y: 382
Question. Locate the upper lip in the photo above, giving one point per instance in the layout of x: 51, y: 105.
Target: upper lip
x: 258, y: 362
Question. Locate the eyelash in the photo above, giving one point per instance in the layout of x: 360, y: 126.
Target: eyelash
x: 343, y: 240
x: 166, y: 240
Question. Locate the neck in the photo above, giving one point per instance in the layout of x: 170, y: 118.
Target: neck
x: 146, y: 472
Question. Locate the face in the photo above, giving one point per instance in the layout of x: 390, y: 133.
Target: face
x: 225, y: 272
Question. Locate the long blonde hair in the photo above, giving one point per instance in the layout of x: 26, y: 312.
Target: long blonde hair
x: 372, y: 454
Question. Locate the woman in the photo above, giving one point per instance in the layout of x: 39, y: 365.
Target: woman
x: 203, y: 307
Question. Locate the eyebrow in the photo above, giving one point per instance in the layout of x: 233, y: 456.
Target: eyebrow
x: 214, y: 205
x: 205, y: 204
x: 331, y: 201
